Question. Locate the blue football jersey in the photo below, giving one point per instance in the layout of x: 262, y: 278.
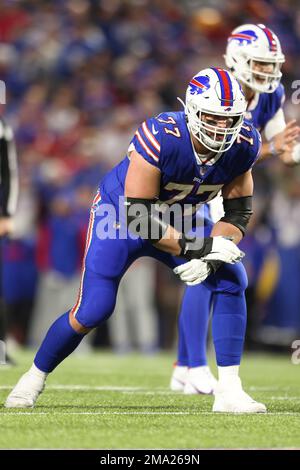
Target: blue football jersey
x: 165, y: 142
x: 265, y: 107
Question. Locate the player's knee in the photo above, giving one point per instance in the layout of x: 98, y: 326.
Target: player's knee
x: 239, y: 279
x: 77, y: 326
x: 94, y: 310
x: 233, y: 279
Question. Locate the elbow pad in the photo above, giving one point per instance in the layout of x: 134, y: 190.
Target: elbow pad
x: 238, y: 212
x: 144, y: 219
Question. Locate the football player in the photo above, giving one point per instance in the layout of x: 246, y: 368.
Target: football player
x: 177, y: 159
x: 254, y: 57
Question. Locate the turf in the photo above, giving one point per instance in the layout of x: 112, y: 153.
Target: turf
x: 110, y: 402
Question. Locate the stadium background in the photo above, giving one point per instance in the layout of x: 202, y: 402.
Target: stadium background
x: 80, y: 76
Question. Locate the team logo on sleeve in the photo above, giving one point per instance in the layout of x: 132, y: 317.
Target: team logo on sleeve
x: 199, y: 85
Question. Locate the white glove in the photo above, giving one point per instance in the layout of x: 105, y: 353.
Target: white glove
x: 224, y: 250
x: 193, y: 272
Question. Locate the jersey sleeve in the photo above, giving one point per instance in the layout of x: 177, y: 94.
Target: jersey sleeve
x: 250, y: 140
x: 147, y: 141
x: 279, y: 97
x: 275, y: 125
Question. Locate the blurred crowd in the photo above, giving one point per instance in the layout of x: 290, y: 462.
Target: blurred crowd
x: 80, y: 76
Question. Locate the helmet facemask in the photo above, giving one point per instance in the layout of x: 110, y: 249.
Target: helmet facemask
x: 215, y: 138
x: 258, y: 80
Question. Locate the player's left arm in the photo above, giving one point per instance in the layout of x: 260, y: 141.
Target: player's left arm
x: 280, y: 138
x: 237, y: 201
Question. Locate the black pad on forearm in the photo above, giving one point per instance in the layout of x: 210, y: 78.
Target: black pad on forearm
x: 238, y: 212
x: 144, y: 219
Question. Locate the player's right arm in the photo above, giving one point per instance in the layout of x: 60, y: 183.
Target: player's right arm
x: 142, y: 184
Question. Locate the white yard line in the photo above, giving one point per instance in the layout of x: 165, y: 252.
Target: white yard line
x: 110, y: 388
x: 266, y: 389
x: 283, y: 398
x: 141, y: 390
x: 138, y: 413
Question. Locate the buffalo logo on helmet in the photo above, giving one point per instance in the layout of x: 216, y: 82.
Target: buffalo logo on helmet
x: 199, y: 85
x: 243, y: 37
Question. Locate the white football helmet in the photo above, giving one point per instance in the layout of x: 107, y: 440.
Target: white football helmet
x: 249, y: 44
x: 215, y: 93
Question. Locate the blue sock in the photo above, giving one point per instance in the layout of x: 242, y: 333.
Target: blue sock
x: 182, y: 354
x: 229, y: 327
x: 59, y: 342
x: 194, y: 324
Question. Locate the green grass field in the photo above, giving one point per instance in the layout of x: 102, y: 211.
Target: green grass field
x: 109, y: 402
